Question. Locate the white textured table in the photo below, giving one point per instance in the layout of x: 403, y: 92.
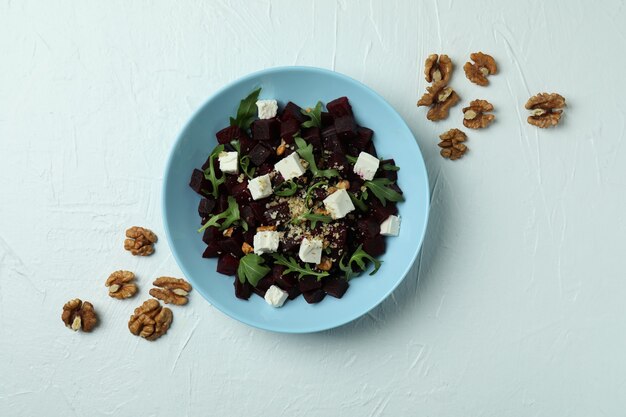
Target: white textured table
x: 517, y: 304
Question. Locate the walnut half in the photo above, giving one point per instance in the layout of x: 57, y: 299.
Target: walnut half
x: 171, y: 290
x: 120, y: 284
x: 438, y: 68
x: 545, y: 109
x: 79, y: 315
x: 451, y: 144
x: 150, y: 320
x: 439, y: 98
x: 140, y: 241
x: 483, y: 66
x: 475, y: 117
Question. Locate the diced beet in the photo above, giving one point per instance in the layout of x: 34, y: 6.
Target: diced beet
x: 246, y: 144
x: 309, y: 283
x: 367, y: 227
x: 229, y: 134
x: 243, y: 290
x: 258, y: 291
x: 338, y: 235
x: 247, y: 215
x: 335, y: 287
x: 314, y: 296
x: 241, y: 192
x: 264, y: 169
x: 375, y: 246
x: 222, y: 203
x: 265, y: 283
x: 211, y: 234
x: 290, y: 244
x: 266, y: 129
x: 338, y: 161
x: 391, y: 175
x: 313, y: 136
x: 198, y: 182
x: 288, y: 129
x: 380, y: 212
x: 371, y: 149
x: 328, y: 131
x: 356, y: 184
x: 332, y: 144
x: 345, y: 127
x: 227, y: 264
x: 362, y: 138
x: 231, y: 245
x: 293, y: 111
x: 206, y: 207
x: 258, y: 208
x: 277, y: 271
x: 212, y: 250
x: 259, y: 154
x: 293, y: 292
x: 230, y: 182
x: 283, y: 280
x: 339, y: 107
x: 278, y: 213
x: 248, y: 236
x: 327, y: 119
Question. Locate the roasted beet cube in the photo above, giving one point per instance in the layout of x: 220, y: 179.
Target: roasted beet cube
x: 206, y: 206
x: 241, y: 192
x: 259, y: 154
x: 246, y: 143
x: 288, y: 129
x: 198, y: 183
x: 356, y: 184
x: 332, y: 144
x: 266, y: 129
x: 264, y: 169
x: 289, y: 244
x: 336, y: 287
x: 328, y: 131
x: 339, y: 107
x: 248, y: 236
x: 309, y: 283
x: 211, y: 234
x: 293, y: 111
x: 277, y: 271
x: 338, y: 161
x: 345, y: 127
x: 375, y: 246
x: 227, y: 264
x: 293, y: 292
x: 232, y: 244
x: 339, y: 235
x: 313, y: 136
x: 380, y: 212
x: 371, y: 149
x: 243, y: 290
x: 247, y: 215
x: 230, y: 182
x: 327, y: 119
x: 258, y: 208
x: 212, y: 250
x: 390, y: 174
x: 367, y: 227
x: 229, y: 134
x: 314, y: 296
x: 278, y: 213
x: 265, y: 283
x: 362, y: 139
x: 222, y: 203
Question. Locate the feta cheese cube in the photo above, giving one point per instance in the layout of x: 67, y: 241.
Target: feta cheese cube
x: 260, y: 187
x: 266, y: 242
x: 391, y: 226
x: 229, y: 162
x: 290, y: 166
x: 338, y: 204
x: 267, y: 108
x: 366, y: 166
x: 275, y: 296
x: 310, y: 250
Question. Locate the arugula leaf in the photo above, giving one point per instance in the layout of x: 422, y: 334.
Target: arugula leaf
x: 286, y: 189
x: 244, y: 161
x: 313, y: 218
x: 230, y: 216
x: 293, y: 266
x: 351, y: 159
x: 315, y: 114
x: 247, y: 111
x: 359, y: 202
x: 390, y: 167
x: 359, y: 256
x: 306, y: 152
x: 209, y: 173
x: 379, y: 187
x: 251, y: 269
x: 312, y: 187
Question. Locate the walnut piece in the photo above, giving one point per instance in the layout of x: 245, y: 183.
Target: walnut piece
x: 79, y: 315
x: 325, y: 265
x: 451, y: 144
x: 544, y: 109
x: 150, y: 320
x: 281, y: 148
x: 483, y: 66
x: 438, y: 68
x: 171, y: 290
x: 475, y: 116
x: 120, y: 284
x: 266, y: 228
x: 140, y: 241
x: 439, y: 98
x: 246, y: 248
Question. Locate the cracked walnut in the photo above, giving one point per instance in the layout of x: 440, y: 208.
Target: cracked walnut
x: 451, y: 144
x: 78, y: 314
x: 120, y: 284
x: 545, y: 109
x: 438, y: 68
x: 439, y: 98
x: 483, y: 66
x: 171, y: 290
x: 475, y: 116
x: 150, y: 320
x: 140, y: 241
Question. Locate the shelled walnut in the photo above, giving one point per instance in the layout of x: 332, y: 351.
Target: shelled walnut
x: 483, y: 66
x: 140, y: 241
x: 439, y: 98
x: 150, y: 320
x: 475, y: 116
x: 545, y: 109
x: 171, y: 290
x: 78, y: 314
x: 438, y: 68
x: 120, y: 284
x: 452, y: 144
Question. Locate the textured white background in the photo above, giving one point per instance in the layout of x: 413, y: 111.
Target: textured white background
x: 515, y: 308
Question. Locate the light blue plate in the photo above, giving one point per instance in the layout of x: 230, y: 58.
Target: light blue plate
x: 304, y: 86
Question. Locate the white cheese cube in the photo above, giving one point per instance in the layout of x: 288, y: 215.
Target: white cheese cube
x: 260, y: 187
x: 266, y: 242
x: 229, y: 162
x: 391, y: 226
x: 366, y: 166
x: 267, y: 108
x: 310, y: 250
x: 275, y: 296
x: 338, y: 204
x: 290, y: 166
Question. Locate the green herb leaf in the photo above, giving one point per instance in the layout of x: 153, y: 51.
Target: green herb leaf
x: 359, y: 202
x: 229, y: 216
x: 293, y: 266
x: 351, y: 159
x: 244, y: 161
x: 390, y: 167
x: 210, y: 174
x: 312, y: 187
x: 247, y: 111
x: 286, y: 189
x: 314, y: 218
x: 359, y: 257
x: 379, y: 187
x: 315, y: 114
x: 306, y: 152
x: 251, y: 269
